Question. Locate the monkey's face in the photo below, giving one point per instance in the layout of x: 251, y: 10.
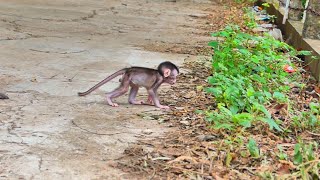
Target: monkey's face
x: 172, y: 78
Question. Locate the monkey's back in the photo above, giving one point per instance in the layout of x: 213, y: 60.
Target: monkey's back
x: 142, y: 76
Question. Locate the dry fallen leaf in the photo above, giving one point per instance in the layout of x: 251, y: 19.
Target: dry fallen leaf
x: 284, y: 169
x: 317, y: 89
x: 190, y: 94
x: 183, y: 158
x: 289, y: 163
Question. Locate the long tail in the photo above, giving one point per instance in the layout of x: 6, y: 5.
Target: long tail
x: 107, y: 79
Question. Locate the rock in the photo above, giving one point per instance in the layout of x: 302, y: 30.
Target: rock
x: 190, y: 94
x: 206, y: 137
x: 179, y: 108
x: 276, y: 33
x: 155, y: 117
x: 266, y: 25
x: 147, y: 131
x: 160, y: 120
x: 170, y: 125
x: 148, y: 118
x: 295, y: 90
x: 187, y: 123
x: 33, y: 80
x: 260, y: 29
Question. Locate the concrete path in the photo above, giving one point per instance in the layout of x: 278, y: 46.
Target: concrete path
x: 50, y: 50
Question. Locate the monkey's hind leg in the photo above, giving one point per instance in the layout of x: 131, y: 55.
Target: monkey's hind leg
x: 133, y: 93
x: 122, y: 89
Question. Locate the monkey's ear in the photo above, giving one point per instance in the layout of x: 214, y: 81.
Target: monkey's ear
x: 166, y: 72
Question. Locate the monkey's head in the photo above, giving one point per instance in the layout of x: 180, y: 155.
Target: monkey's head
x: 169, y: 72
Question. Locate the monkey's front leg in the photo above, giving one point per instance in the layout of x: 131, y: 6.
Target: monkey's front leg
x: 155, y: 100
x: 155, y: 89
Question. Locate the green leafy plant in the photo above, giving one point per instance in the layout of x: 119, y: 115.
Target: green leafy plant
x: 266, y: 5
x: 228, y: 119
x: 308, y: 119
x: 249, y: 18
x: 244, y: 1
x: 253, y: 148
x: 247, y: 74
x: 282, y: 155
x: 307, y: 160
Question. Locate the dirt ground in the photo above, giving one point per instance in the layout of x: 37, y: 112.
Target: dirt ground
x: 50, y: 50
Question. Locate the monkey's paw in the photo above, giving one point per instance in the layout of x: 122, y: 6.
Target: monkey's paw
x: 114, y: 105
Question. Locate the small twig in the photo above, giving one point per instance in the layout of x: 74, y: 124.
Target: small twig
x: 248, y: 169
x: 315, y: 134
x: 72, y: 52
x: 182, y: 169
x: 311, y: 165
x: 153, y: 174
x: 309, y: 162
x: 132, y: 166
x: 109, y: 134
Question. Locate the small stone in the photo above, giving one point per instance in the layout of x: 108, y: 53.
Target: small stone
x: 34, y: 80
x: 170, y: 125
x: 295, y: 90
x: 148, y: 118
x: 187, y: 123
x: 206, y: 137
x: 190, y: 95
x: 160, y: 120
x: 147, y: 131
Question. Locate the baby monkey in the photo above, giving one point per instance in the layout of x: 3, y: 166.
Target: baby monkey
x: 136, y: 77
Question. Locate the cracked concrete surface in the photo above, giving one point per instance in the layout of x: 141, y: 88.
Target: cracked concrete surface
x: 50, y: 50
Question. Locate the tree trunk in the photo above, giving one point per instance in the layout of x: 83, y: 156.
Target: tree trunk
x: 295, y: 12
x: 311, y: 28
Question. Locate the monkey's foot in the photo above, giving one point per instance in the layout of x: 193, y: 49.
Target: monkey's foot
x: 111, y: 103
x: 137, y: 102
x: 114, y: 105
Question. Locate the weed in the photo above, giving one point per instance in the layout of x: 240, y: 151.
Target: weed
x: 282, y: 155
x: 307, y: 160
x: 253, y: 148
x: 247, y: 75
x: 245, y: 1
x: 308, y: 120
